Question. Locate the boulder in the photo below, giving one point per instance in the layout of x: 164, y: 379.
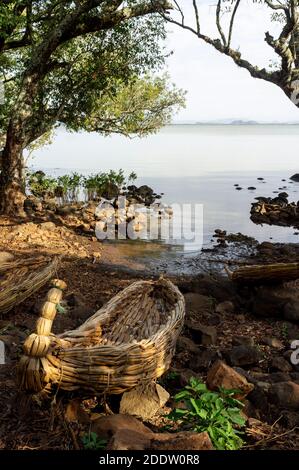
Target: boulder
x: 221, y: 375
x: 144, y: 402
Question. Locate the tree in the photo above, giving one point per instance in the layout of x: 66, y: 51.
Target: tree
x: 80, y: 63
x: 285, y: 15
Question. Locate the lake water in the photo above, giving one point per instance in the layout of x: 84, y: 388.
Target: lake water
x: 195, y: 164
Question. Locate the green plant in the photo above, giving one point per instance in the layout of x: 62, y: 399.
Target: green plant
x: 41, y: 185
x: 217, y: 413
x: 91, y: 441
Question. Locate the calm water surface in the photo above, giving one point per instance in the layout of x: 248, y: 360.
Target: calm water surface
x: 195, y: 165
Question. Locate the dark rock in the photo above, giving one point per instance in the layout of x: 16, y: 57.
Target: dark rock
x: 280, y: 364
x: 242, y: 341
x: 251, y: 188
x: 197, y: 303
x: 186, y: 344
x: 290, y: 419
x: 291, y: 310
x: 202, y: 334
x: 295, y: 177
x: 285, y: 395
x: 204, y: 360
x: 226, y: 307
x: 259, y: 398
x: 279, y: 377
x: 244, y: 356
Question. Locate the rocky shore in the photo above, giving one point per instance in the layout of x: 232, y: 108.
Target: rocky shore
x: 234, y: 336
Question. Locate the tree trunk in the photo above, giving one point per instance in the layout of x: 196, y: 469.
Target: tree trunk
x: 11, y: 178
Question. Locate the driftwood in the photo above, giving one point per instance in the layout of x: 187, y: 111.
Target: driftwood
x: 128, y: 342
x: 265, y: 272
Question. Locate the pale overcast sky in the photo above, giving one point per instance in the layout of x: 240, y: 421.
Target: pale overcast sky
x: 217, y: 88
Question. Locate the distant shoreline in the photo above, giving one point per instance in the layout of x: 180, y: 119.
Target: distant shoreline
x: 236, y: 123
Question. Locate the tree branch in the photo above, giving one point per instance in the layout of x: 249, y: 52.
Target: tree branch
x: 218, y: 23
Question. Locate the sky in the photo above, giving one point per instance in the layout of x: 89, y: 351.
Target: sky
x: 217, y: 88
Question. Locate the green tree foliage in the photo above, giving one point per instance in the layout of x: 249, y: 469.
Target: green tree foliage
x: 88, y: 65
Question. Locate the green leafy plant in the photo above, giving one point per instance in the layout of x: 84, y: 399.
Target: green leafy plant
x: 91, y: 441
x: 217, y: 413
x: 41, y: 185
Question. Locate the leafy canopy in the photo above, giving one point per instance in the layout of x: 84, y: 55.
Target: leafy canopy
x: 102, y: 80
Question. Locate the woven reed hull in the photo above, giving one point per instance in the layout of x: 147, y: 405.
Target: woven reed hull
x: 24, y: 277
x: 131, y: 340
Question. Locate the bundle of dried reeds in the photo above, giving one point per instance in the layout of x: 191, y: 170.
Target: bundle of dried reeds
x: 129, y: 341
x: 20, y: 278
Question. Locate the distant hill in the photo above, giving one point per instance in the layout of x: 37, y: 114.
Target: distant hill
x: 234, y: 122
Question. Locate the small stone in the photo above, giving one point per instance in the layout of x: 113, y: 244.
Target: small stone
x: 221, y: 375
x: 143, y: 402
x: 273, y: 343
x: 47, y: 226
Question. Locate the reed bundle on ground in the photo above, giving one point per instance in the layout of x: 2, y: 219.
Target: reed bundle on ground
x: 128, y: 342
x: 265, y: 272
x: 20, y: 278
